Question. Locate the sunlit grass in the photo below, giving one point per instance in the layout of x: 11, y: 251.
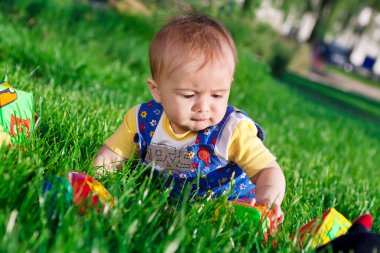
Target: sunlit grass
x: 86, y: 67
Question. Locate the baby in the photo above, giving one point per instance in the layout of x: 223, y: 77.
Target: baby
x: 188, y: 132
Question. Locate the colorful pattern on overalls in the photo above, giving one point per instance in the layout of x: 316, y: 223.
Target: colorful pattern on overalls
x: 210, y: 176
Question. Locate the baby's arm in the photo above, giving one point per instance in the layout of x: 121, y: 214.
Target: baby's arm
x: 249, y: 152
x: 119, y: 146
x: 108, y: 160
x: 270, y: 188
x: 270, y: 184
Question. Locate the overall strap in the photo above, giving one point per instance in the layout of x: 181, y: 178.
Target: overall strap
x: 210, y: 135
x: 148, y: 116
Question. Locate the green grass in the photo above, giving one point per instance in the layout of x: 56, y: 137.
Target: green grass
x: 86, y: 67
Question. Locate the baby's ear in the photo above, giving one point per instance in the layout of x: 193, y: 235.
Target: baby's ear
x: 153, y: 88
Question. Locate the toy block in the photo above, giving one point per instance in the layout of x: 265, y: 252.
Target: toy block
x: 323, y: 229
x: 256, y: 217
x: 16, y: 115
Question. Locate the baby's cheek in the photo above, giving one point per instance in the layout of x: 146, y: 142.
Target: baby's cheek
x: 216, y: 119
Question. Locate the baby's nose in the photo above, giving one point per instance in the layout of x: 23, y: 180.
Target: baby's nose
x: 202, y: 105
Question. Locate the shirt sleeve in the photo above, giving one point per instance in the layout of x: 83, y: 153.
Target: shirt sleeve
x: 121, y: 142
x: 247, y: 150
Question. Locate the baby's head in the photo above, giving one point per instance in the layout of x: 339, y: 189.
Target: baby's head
x: 192, y: 61
x: 186, y: 38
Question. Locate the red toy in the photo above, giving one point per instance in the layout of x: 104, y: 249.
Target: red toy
x: 89, y: 190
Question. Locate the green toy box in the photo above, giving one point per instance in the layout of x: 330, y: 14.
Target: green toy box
x: 16, y: 115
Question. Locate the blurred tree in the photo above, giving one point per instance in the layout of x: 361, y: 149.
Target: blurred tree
x: 331, y: 14
x: 249, y: 6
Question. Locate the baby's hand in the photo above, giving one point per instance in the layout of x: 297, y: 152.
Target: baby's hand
x: 274, y: 209
x: 278, y: 214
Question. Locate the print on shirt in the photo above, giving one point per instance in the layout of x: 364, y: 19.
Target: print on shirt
x: 168, y: 158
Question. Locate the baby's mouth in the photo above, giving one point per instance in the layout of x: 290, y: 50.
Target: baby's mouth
x: 200, y: 120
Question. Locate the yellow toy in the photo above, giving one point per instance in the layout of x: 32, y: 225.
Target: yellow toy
x: 323, y: 229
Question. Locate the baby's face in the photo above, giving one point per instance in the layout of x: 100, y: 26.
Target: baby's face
x: 193, y: 98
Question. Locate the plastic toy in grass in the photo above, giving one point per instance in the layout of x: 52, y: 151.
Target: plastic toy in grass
x: 59, y: 192
x: 56, y: 195
x: 258, y: 215
x: 358, y: 238
x: 254, y: 216
x: 323, y: 229
x: 16, y: 113
x: 88, y: 190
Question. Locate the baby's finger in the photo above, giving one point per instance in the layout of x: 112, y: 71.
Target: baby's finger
x: 280, y: 219
x: 278, y: 214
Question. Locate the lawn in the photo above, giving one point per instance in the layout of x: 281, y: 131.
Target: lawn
x: 86, y: 66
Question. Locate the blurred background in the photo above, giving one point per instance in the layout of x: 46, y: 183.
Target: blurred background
x: 331, y: 43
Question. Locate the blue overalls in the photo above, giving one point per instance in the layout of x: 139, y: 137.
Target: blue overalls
x: 210, y: 175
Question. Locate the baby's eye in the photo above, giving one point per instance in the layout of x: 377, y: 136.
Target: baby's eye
x: 188, y: 96
x: 216, y: 96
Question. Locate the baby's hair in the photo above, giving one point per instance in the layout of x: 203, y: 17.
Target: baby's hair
x: 187, y: 37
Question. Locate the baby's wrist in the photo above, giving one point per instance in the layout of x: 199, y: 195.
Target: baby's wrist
x: 268, y: 201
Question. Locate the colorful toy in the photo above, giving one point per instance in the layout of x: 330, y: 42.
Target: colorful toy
x: 322, y: 230
x: 258, y: 216
x: 57, y: 195
x: 59, y: 192
x: 16, y: 113
x: 87, y: 189
x: 357, y: 239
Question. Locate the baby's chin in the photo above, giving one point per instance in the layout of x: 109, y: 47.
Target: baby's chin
x: 195, y: 126
x: 199, y: 126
